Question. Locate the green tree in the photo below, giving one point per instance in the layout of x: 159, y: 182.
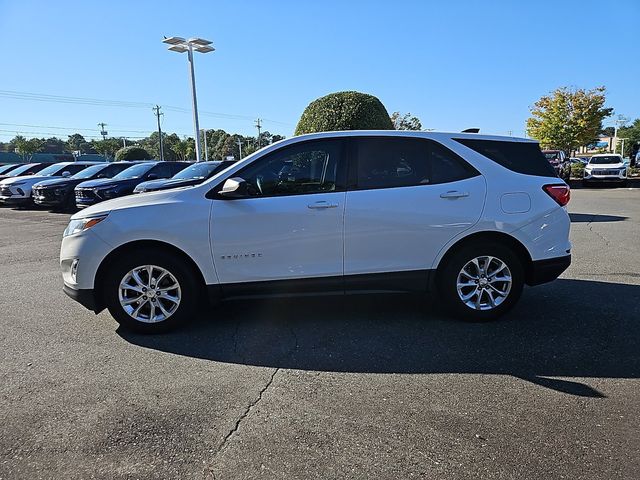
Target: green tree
x: 631, y: 134
x: 75, y: 142
x: 184, y: 149
x: 107, y: 147
x: 568, y: 118
x: 54, y: 145
x: 26, y: 148
x: 405, y: 122
x: 344, y: 111
x: 133, y: 152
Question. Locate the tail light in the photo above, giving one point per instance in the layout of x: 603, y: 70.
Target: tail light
x: 559, y: 192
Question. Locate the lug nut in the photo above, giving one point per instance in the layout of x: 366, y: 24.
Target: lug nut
x: 144, y: 297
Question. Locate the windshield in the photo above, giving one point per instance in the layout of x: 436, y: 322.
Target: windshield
x: 51, y: 170
x: 136, y: 171
x: 6, y: 168
x: 22, y: 169
x: 608, y: 160
x: 199, y: 170
x: 89, y: 172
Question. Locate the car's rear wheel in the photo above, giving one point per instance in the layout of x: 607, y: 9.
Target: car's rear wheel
x: 150, y: 292
x: 481, y: 281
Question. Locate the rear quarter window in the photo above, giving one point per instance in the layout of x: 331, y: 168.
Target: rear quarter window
x: 520, y: 157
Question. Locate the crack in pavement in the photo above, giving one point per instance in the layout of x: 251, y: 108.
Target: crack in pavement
x: 602, y: 237
x: 238, y: 421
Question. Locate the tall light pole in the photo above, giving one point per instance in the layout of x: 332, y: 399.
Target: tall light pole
x: 240, y: 147
x: 206, y: 150
x: 180, y: 45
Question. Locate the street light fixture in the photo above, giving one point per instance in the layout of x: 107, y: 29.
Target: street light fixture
x: 180, y: 45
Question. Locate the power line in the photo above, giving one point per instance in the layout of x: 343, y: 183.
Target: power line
x: 75, y: 129
x: 40, y: 97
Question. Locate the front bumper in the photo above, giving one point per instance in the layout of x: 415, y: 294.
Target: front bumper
x: 605, y: 176
x: 85, y: 297
x: 14, y: 200
x: 544, y: 271
x: 48, y: 198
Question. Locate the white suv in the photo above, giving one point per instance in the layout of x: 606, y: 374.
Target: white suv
x: 605, y: 168
x: 474, y: 217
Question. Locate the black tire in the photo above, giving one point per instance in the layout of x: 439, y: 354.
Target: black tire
x: 448, y: 279
x: 183, y: 273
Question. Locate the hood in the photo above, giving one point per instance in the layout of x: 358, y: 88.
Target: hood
x: 129, y: 201
x: 58, y: 182
x: 25, y: 180
x: 169, y: 183
x: 107, y: 182
x: 153, y: 183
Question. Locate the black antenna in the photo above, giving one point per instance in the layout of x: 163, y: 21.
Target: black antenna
x: 471, y: 130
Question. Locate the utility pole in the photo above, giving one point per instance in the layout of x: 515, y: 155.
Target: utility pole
x: 240, y: 147
x: 258, y: 126
x: 206, y: 152
x: 124, y: 142
x: 157, y: 113
x: 103, y: 132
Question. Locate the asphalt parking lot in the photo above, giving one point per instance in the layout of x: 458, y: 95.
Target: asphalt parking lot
x: 353, y: 387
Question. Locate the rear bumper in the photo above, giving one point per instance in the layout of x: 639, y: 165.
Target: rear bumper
x: 543, y: 271
x: 85, y: 297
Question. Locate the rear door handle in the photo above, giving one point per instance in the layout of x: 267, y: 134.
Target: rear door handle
x: 321, y: 205
x: 454, y: 194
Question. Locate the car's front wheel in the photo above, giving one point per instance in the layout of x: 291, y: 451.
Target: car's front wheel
x: 481, y: 281
x: 150, y: 291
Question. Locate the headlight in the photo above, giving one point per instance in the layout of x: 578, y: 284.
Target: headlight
x: 108, y: 193
x: 82, y: 224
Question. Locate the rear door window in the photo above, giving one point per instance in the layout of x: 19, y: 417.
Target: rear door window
x: 390, y: 162
x: 520, y: 157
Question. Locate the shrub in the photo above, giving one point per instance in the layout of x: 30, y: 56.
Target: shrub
x: 577, y: 170
x: 344, y: 111
x: 132, y: 153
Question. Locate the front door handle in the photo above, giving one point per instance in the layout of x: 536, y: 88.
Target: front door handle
x: 321, y: 205
x: 454, y: 194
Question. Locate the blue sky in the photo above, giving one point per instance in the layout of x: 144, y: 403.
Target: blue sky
x: 454, y: 64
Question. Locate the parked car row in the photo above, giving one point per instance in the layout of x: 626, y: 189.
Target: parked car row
x: 70, y: 185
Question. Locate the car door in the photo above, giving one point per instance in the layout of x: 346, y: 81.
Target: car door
x: 290, y: 223
x: 407, y: 198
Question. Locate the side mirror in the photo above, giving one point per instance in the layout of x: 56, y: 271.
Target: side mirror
x: 152, y: 176
x: 65, y: 174
x: 101, y: 175
x: 234, y: 188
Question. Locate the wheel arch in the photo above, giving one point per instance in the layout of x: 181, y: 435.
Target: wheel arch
x: 489, y: 236
x: 145, y: 245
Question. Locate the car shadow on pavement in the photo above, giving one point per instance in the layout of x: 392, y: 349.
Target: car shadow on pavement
x: 595, y: 218
x: 568, y: 328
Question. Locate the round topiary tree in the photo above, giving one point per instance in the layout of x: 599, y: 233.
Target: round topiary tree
x: 132, y: 153
x: 344, y: 111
